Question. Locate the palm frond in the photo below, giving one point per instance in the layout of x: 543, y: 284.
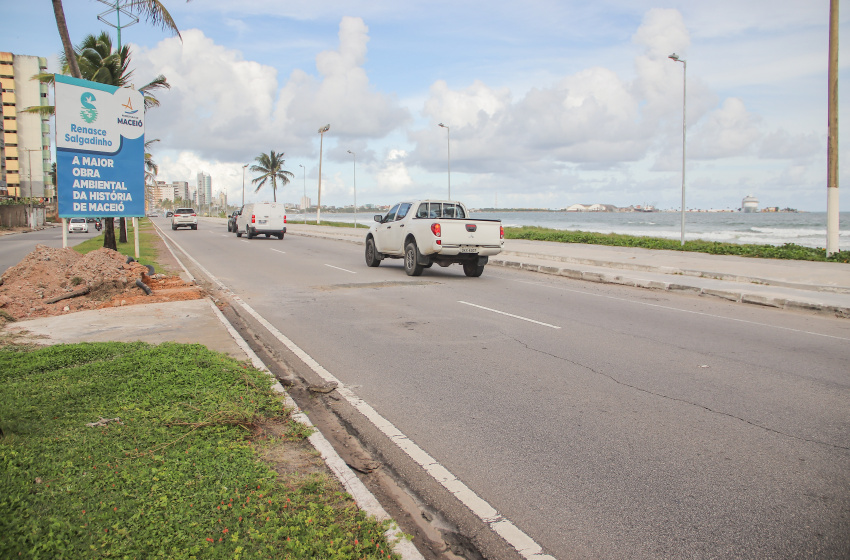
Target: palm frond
x: 155, y: 13
x: 44, y: 78
x: 43, y: 110
x: 147, y: 90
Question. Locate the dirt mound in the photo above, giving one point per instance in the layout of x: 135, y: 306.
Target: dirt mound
x: 48, y: 274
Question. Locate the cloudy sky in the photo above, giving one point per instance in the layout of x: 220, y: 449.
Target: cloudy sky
x: 548, y: 102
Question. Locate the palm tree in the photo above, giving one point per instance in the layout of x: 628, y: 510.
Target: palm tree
x: 59, y: 13
x: 271, y: 167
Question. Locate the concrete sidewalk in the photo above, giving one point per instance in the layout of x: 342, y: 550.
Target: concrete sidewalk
x: 195, y: 321
x: 803, y: 285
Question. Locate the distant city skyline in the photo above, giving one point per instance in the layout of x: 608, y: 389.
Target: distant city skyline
x: 545, y: 104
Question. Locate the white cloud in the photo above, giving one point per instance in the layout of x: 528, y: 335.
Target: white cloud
x: 222, y: 106
x: 729, y: 131
x: 592, y: 118
x: 781, y: 144
x: 393, y: 177
x: 217, y: 99
x: 342, y: 96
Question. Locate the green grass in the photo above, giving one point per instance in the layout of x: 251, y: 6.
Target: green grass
x: 179, y: 478
x: 298, y: 220
x: 147, y: 249
x: 787, y: 251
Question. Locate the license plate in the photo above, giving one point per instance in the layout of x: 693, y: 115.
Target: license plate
x: 468, y: 249
x: 263, y: 221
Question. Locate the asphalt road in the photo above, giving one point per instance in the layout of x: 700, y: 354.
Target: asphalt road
x: 604, y: 421
x: 16, y: 246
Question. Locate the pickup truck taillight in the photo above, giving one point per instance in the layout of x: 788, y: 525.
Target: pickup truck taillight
x: 284, y: 218
x: 253, y: 219
x: 435, y: 229
x: 501, y: 232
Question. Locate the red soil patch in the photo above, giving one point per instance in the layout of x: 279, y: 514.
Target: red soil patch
x: 47, y: 273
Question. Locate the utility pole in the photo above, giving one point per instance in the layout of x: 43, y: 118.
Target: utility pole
x: 29, y: 158
x: 832, y: 216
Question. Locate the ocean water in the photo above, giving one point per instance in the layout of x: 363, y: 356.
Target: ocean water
x: 802, y: 228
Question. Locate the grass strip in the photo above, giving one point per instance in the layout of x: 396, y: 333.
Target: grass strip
x: 789, y: 251
x: 178, y: 477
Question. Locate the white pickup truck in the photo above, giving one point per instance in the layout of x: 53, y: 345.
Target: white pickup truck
x: 425, y: 232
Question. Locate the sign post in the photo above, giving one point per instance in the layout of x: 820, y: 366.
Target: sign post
x: 100, y: 150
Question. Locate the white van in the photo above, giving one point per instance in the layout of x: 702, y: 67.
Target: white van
x: 262, y: 218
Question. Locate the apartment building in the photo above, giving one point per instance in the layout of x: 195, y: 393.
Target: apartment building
x: 181, y: 190
x: 25, y: 163
x: 204, y: 189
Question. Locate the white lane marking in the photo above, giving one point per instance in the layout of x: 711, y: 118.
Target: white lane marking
x: 279, y: 251
x: 510, y: 315
x: 342, y: 269
x: 512, y: 534
x: 667, y: 307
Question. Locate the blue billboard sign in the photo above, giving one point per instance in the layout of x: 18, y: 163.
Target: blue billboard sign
x: 100, y: 149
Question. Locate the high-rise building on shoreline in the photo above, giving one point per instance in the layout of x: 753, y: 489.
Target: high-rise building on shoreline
x: 25, y: 164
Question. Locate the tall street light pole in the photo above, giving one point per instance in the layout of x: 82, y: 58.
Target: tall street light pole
x: 354, y: 159
x: 449, y: 152
x: 832, y: 215
x: 676, y: 58
x: 322, y: 131
x: 304, y: 200
x: 243, y: 183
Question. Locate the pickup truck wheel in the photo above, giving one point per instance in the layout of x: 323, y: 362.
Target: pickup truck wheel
x: 248, y: 233
x: 472, y: 269
x: 372, y: 258
x: 411, y: 264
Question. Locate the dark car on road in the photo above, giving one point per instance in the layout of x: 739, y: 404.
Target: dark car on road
x: 231, y: 221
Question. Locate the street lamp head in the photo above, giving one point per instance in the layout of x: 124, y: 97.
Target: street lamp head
x: 324, y: 129
x: 299, y: 165
x: 444, y: 126
x: 350, y: 152
x: 675, y: 57
x: 244, y: 166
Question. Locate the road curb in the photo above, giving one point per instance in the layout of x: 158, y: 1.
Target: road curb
x: 737, y: 295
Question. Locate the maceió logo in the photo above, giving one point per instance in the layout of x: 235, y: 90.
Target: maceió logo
x: 89, y: 111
